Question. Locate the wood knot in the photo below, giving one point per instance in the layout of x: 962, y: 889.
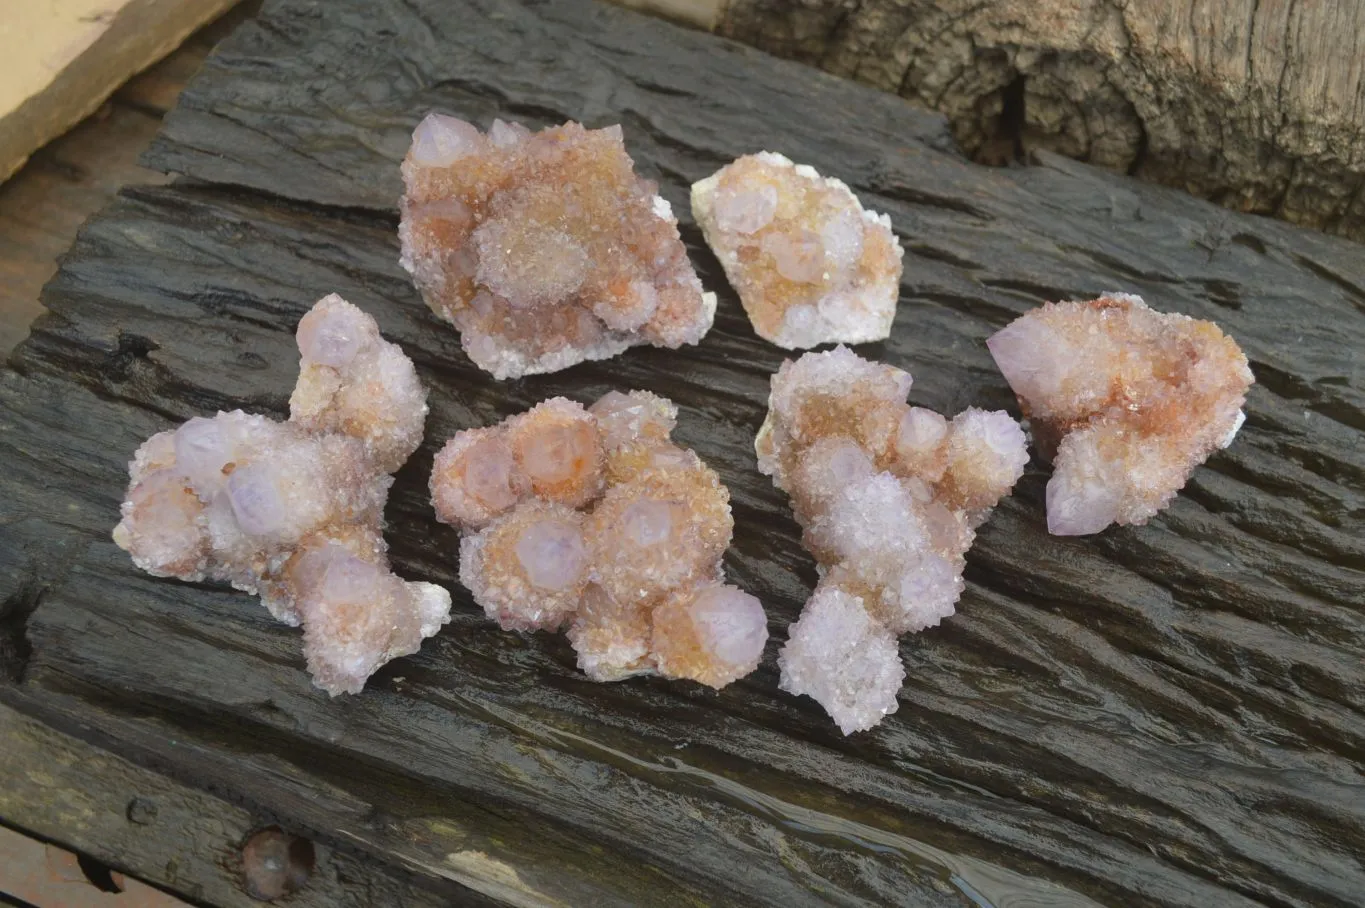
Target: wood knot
x: 275, y: 863
x: 141, y: 811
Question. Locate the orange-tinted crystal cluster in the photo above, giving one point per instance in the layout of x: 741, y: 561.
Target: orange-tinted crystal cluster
x: 294, y: 511
x: 888, y: 496
x: 809, y: 264
x: 1126, y: 401
x: 594, y: 521
x: 544, y: 249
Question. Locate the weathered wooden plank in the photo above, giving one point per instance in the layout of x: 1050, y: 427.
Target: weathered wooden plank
x: 181, y: 839
x: 1165, y: 715
x: 45, y: 203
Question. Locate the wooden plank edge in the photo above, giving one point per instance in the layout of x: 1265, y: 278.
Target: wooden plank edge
x: 126, y: 40
x: 185, y: 842
x: 702, y: 14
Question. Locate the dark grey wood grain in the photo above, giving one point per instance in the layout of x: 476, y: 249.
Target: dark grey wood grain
x: 1162, y: 715
x: 60, y: 788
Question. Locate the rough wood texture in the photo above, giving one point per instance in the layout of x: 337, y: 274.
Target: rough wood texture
x: 1256, y: 104
x: 1164, y: 715
x: 62, y: 58
x: 61, y: 788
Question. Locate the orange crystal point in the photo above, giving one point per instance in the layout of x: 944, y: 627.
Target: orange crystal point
x: 559, y: 449
x: 714, y: 636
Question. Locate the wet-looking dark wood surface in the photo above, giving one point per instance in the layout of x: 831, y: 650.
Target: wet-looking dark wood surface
x: 1163, y: 715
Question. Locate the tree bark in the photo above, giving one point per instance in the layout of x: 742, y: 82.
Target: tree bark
x: 1258, y: 105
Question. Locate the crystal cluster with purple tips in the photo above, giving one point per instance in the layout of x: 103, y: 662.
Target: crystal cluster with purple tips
x: 889, y: 497
x: 544, y: 249
x: 293, y: 511
x: 592, y: 520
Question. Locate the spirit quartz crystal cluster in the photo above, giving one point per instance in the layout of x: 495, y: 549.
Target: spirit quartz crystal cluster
x: 294, y: 510
x: 544, y: 249
x: 888, y: 497
x: 1125, y: 401
x: 594, y: 521
x: 809, y: 264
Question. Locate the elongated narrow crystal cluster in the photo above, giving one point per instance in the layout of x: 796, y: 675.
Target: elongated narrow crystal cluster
x: 809, y: 264
x: 1125, y: 401
x: 888, y: 496
x: 544, y: 249
x: 592, y: 520
x: 294, y: 511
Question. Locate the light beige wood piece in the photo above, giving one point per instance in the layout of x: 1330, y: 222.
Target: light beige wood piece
x: 1256, y: 104
x: 60, y: 59
x: 697, y: 13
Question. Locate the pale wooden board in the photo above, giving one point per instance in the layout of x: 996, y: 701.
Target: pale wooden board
x: 63, y: 58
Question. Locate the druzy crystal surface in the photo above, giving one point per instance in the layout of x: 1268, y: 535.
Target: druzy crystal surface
x: 888, y: 497
x: 809, y: 264
x: 593, y: 521
x: 293, y: 511
x: 545, y: 249
x: 1124, y: 400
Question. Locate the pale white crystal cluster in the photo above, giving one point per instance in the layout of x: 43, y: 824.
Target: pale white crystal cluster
x: 294, y: 511
x: 888, y: 496
x: 544, y: 249
x: 1125, y: 401
x: 592, y: 520
x: 810, y: 265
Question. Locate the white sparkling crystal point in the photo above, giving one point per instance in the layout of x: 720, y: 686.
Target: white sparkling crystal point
x: 888, y: 496
x: 849, y: 663
x: 731, y: 626
x: 552, y: 554
x: 202, y: 450
x: 257, y: 503
x: 333, y: 334
x: 440, y: 140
